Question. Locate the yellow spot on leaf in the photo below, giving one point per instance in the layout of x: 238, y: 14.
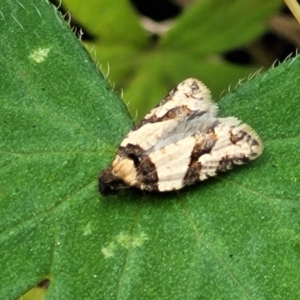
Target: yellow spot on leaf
x: 127, y: 241
x: 87, y: 230
x: 39, y: 55
x: 109, y: 250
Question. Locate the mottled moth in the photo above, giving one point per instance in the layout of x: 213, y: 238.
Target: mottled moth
x: 179, y: 142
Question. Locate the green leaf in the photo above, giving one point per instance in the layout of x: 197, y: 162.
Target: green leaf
x: 232, y: 237
x: 210, y: 26
x: 53, y: 143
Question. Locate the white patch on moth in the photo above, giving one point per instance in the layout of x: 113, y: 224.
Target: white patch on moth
x: 39, y: 55
x: 145, y: 138
x: 199, y: 101
x: 179, y: 142
x: 171, y: 162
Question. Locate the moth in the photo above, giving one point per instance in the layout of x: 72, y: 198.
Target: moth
x: 179, y: 142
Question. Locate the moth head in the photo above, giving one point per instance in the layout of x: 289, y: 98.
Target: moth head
x: 108, y: 183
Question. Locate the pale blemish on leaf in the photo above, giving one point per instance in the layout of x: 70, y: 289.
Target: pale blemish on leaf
x: 108, y: 251
x: 39, y: 55
x: 87, y: 230
x: 127, y: 241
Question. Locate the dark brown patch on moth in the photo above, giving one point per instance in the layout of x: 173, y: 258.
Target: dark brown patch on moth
x: 194, y: 86
x: 174, y: 112
x: 242, y: 159
x: 192, y: 174
x: 147, y: 177
x: 146, y: 171
x: 227, y: 163
x: 183, y: 111
x: 254, y: 143
x: 108, y: 183
x: 153, y: 118
x: 241, y: 135
x: 147, y: 174
x: 131, y: 151
x: 194, y: 89
x: 168, y: 97
x: 203, y: 148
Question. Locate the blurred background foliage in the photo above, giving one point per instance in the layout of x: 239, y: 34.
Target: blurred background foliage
x: 147, y: 47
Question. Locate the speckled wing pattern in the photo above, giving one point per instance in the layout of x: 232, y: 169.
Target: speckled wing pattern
x: 179, y: 142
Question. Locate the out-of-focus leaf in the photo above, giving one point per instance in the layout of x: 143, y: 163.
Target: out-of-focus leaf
x: 109, y: 21
x: 211, y: 26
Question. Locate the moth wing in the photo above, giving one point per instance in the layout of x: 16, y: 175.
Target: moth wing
x: 205, y: 153
x: 235, y: 144
x: 172, y: 162
x: 178, y: 113
x: 189, y: 96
